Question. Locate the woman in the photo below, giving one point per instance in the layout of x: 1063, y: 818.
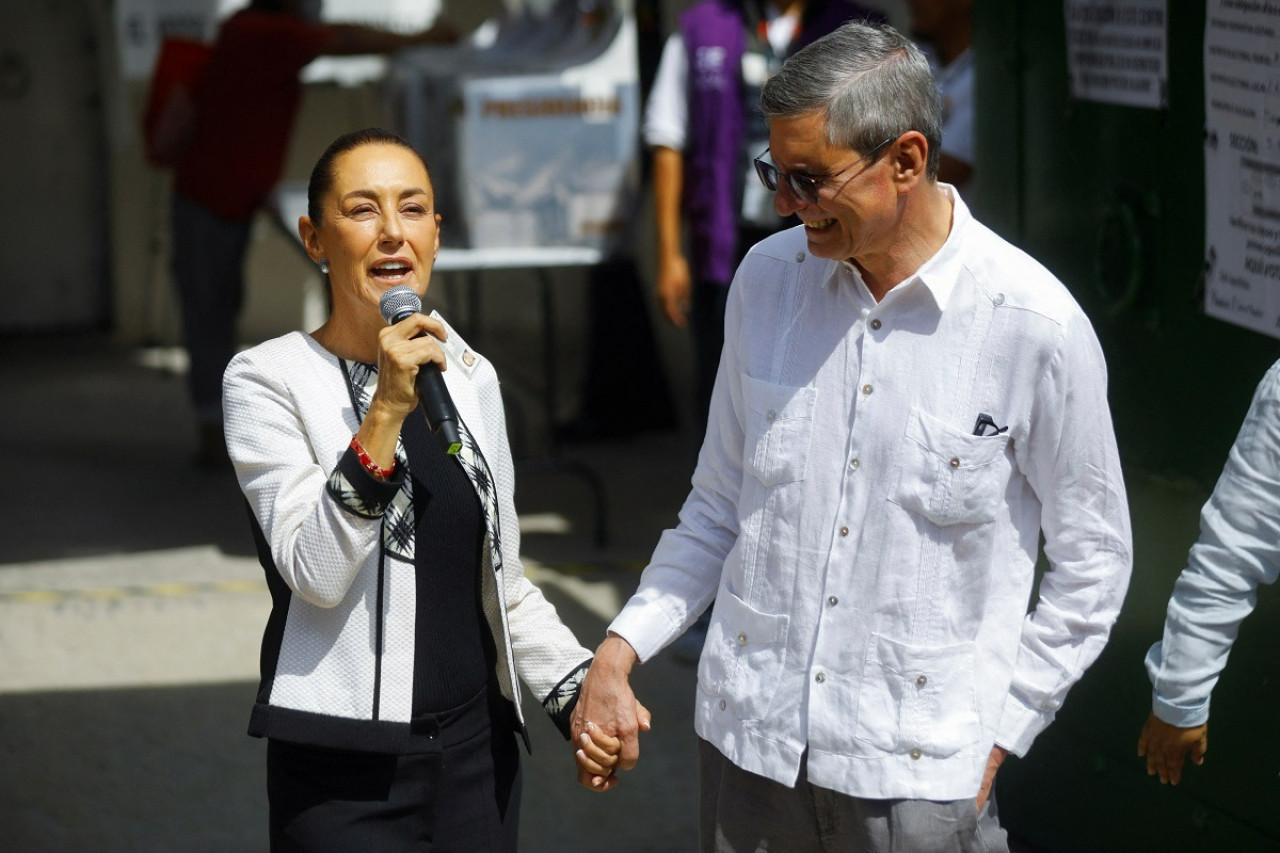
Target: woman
x: 401, y: 616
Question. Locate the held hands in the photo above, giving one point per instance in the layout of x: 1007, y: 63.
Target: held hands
x: 1165, y: 747
x: 598, y: 758
x: 608, y: 718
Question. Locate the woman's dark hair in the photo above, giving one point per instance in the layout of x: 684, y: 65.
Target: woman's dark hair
x: 322, y: 175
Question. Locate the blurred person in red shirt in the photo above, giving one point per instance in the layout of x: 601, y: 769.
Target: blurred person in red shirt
x: 246, y: 103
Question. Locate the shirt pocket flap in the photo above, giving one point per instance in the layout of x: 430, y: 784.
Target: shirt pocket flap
x: 744, y: 656
x: 747, y: 626
x: 948, y: 476
x: 918, y: 698
x: 957, y: 449
x: 777, y: 426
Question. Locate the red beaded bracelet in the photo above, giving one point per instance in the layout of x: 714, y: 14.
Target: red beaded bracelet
x: 367, y: 461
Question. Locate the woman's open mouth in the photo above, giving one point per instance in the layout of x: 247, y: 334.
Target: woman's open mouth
x: 392, y: 272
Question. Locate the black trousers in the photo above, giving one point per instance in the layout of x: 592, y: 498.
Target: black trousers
x: 456, y: 789
x: 208, y: 267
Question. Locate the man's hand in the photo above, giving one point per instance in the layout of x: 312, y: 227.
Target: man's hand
x: 607, y: 702
x: 994, y: 760
x: 1165, y: 746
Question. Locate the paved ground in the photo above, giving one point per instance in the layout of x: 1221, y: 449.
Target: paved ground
x: 131, y: 610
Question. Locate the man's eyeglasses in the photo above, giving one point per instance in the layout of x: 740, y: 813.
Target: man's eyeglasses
x: 806, y: 187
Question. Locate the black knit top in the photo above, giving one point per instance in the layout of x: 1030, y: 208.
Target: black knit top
x: 454, y: 653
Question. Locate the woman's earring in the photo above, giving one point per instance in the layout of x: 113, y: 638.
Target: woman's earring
x: 324, y: 266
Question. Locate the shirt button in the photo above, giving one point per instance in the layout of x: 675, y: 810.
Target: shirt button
x: 998, y: 299
x: 770, y: 415
x: 742, y: 639
x: 922, y: 681
x: 820, y: 677
x: 799, y: 257
x: 915, y: 755
x: 955, y: 462
x: 844, y: 531
x: 875, y: 325
x: 723, y: 705
x: 854, y: 463
x: 866, y: 389
x: 832, y: 601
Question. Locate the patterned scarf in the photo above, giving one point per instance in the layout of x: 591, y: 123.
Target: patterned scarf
x: 398, y: 529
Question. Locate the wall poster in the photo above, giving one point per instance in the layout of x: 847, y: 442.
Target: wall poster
x: 1117, y: 51
x: 1242, y: 163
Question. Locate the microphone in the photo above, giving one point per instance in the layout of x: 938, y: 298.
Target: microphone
x: 433, y: 395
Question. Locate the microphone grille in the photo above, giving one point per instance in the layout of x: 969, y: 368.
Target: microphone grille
x: 398, y: 302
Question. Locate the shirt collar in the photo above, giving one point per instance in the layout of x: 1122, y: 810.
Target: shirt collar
x: 859, y: 293
x: 940, y: 273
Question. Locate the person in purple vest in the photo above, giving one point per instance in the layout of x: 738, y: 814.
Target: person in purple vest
x: 906, y: 407
x: 703, y: 126
x: 945, y: 29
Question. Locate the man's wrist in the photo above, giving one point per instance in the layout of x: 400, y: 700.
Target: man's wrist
x: 616, y: 654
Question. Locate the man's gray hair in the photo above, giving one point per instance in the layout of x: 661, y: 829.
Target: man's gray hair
x: 870, y: 81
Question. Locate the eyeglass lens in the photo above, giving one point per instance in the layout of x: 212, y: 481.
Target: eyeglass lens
x: 804, y: 187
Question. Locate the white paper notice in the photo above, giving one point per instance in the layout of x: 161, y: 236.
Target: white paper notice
x: 142, y: 24
x: 1117, y: 51
x: 1242, y: 163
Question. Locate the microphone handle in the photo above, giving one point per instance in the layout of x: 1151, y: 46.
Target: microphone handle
x: 437, y: 406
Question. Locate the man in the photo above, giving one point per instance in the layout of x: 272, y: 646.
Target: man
x: 904, y: 405
x: 946, y: 26
x: 1238, y: 550
x: 246, y: 103
x: 703, y: 126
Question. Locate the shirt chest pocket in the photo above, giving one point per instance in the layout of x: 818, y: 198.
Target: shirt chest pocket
x: 778, y: 427
x: 947, y: 476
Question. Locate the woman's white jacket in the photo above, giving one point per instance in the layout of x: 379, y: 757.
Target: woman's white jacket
x: 338, y: 650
